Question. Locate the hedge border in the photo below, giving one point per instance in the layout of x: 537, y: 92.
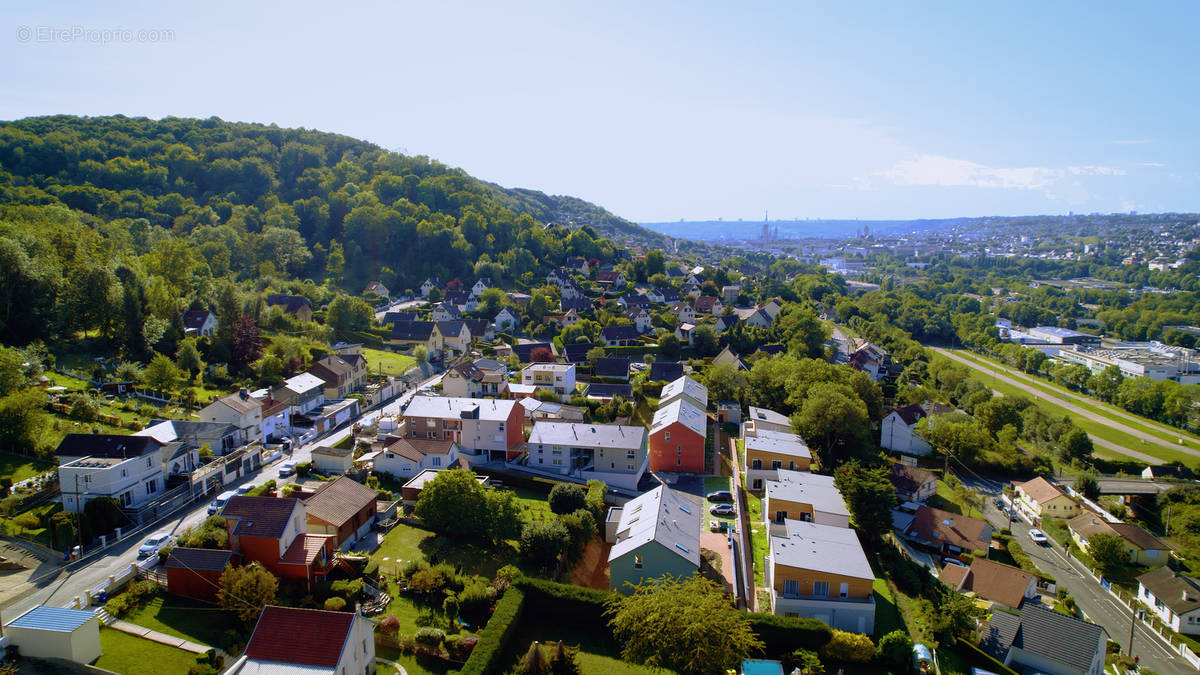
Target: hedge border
x: 494, y: 638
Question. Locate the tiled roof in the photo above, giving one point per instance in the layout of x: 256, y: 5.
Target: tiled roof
x: 241, y: 402
x: 1044, y: 633
x: 612, y: 366
x: 990, y: 580
x: 305, y: 549
x: 1040, y: 490
x: 1089, y: 524
x: 212, y: 560
x: 665, y: 371
x: 936, y: 525
x: 412, y: 330
x: 1179, y: 593
x: 619, y: 333
x: 260, y: 516
x: 339, y: 500
x: 302, y: 636
x: 909, y: 478
x: 195, y: 318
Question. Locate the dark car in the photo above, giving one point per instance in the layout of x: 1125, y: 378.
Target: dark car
x: 720, y: 496
x: 722, y: 510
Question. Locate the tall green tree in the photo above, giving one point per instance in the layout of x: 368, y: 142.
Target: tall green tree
x: 161, y: 374
x: 870, y: 496
x: 833, y: 420
x: 246, y: 590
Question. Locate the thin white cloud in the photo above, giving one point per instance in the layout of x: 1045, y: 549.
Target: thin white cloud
x: 1153, y: 165
x: 950, y: 172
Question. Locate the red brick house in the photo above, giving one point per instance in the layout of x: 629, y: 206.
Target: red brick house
x: 344, y: 508
x: 272, y: 531
x: 677, y: 436
x: 196, y: 572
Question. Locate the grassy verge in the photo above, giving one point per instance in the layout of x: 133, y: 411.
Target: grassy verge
x: 388, y: 363
x: 188, y: 619
x: 887, y: 615
x: 131, y: 655
x: 598, y: 652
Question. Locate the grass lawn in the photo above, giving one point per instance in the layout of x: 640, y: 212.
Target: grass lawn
x: 410, y: 663
x: 887, y: 616
x: 20, y: 467
x: 41, y: 535
x: 131, y: 655
x: 182, y: 617
x: 759, y: 544
x: 598, y: 652
x: 406, y: 542
x: 388, y: 363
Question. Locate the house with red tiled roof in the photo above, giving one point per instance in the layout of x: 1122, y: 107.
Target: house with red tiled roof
x: 344, y: 508
x: 948, y: 532
x: 199, y: 322
x: 1043, y: 499
x: 293, y: 640
x: 273, y: 532
x: 991, y: 581
x: 406, y: 457
x: 1142, y: 547
x: 707, y: 304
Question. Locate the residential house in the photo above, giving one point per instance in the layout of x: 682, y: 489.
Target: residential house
x: 695, y: 278
x: 302, y: 393
x: 570, y: 318
x: 1043, y: 499
x: 411, y: 490
x: 767, y: 455
x: 677, y: 435
x: 343, y: 374
x: 199, y: 323
x: 428, y: 285
x: 577, y: 352
x: 558, y: 277
x: 605, y: 392
x: 685, y: 333
x: 481, y: 285
x: 631, y: 301
x: 196, y: 572
x: 755, y: 316
x: 729, y: 357
x: 45, y: 632
x: 640, y: 318
x: 130, y: 469
x: 686, y: 388
x: 619, y: 336
x: 820, y: 572
x: 296, y: 305
x: 577, y: 264
x: 377, y: 288
x: 913, y: 484
x: 507, y: 320
x: 272, y: 531
x: 529, y: 352
x: 613, y: 278
x: 612, y: 367
x: 480, y: 426
x: 221, y: 438
x: 536, y: 411
x: 726, y: 322
x: 480, y: 329
x: 329, y: 461
x: 689, y: 290
x: 730, y: 293
x: 663, y: 296
x: 898, y: 431
x: 463, y: 379
x: 683, y: 312
x: 413, y: 334
x: 1173, y: 597
x: 761, y: 419
x: 557, y: 377
x: 800, y: 495
x: 406, y: 457
x: 658, y: 533
x: 452, y: 335
x: 989, y: 580
x: 872, y: 360
x: 276, y: 419
x: 665, y: 371
x: 571, y: 291
x: 239, y: 410
x: 1040, y: 640
x: 707, y: 304
x: 948, y: 532
x: 613, y: 453
x: 310, y: 641
x: 1142, y: 547
x: 448, y: 310
x: 343, y: 508
x: 772, y: 308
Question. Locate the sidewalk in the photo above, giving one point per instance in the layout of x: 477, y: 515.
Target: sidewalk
x: 155, y: 636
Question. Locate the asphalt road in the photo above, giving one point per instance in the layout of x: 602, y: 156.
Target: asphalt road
x: 60, y: 589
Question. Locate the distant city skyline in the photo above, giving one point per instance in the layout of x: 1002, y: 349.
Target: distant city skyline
x: 674, y: 110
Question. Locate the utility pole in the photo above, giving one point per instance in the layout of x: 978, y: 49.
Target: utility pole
x: 1132, y: 623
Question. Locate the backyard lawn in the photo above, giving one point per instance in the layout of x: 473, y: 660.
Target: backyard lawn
x: 20, y: 467
x: 388, y: 363
x: 598, y: 652
x: 189, y: 619
x: 131, y: 655
x: 887, y: 616
x: 406, y: 542
x: 411, y: 664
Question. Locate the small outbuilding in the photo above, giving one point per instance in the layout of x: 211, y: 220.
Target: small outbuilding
x: 56, y: 632
x: 196, y: 572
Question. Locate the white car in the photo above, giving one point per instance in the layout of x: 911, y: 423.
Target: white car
x: 287, y: 468
x: 1038, y: 536
x: 154, y: 543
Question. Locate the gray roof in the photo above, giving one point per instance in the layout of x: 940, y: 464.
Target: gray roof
x: 1045, y: 633
x: 782, y: 446
x: 808, y: 488
x: 588, y: 435
x: 60, y: 619
x: 679, y: 410
x: 670, y: 518
x: 768, y: 416
x: 451, y: 407
x: 242, y: 403
x: 821, y: 548
x: 303, y: 382
x: 686, y: 387
x: 1179, y: 593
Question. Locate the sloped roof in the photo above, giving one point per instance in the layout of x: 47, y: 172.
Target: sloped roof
x: 687, y: 388
x: 680, y: 410
x: 577, y: 352
x: 206, y: 559
x: 1041, y: 490
x: 665, y: 370
x: 111, y: 446
x: 290, y: 303
x: 909, y: 478
x: 416, y: 449
x: 727, y: 355
x: 612, y: 366
x: 417, y: 331
x: 241, y: 402
x: 307, y: 637
x: 1181, y: 594
x: 1041, y: 632
x: 58, y: 619
x: 459, y: 408
x: 1089, y: 524
x: 936, y: 525
x: 604, y: 389
x: 989, y: 580
x: 303, y: 382
x: 663, y: 515
x: 619, y: 333
x: 332, y: 452
x: 339, y: 500
x: 195, y: 319
x: 768, y: 417
x: 451, y: 328
x: 260, y: 516
x: 398, y: 317
x: 821, y: 548
x: 780, y: 446
x: 803, y: 487
x: 588, y: 435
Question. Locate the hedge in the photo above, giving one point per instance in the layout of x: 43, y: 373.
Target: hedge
x: 489, y: 651
x: 784, y: 635
x: 574, y: 605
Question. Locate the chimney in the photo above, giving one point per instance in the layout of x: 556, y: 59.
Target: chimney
x: 244, y: 393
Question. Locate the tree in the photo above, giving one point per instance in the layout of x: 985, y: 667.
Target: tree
x: 161, y: 374
x: 455, y: 504
x: 534, y: 662
x: 954, y: 437
x: 567, y: 498
x: 188, y: 358
x: 1108, y: 550
x: 127, y: 371
x: 491, y: 301
x: 798, y: 326
x: 724, y: 382
x: 682, y: 624
x: 954, y: 618
x: 669, y: 346
x: 655, y: 262
x: 246, y: 344
x: 870, y: 495
x: 595, y: 354
x: 834, y: 420
x: 1075, y: 444
x: 543, y: 542
x: 1088, y: 485
x: 704, y: 340
x: 895, y: 648
x: 12, y: 370
x: 347, y: 313
x: 246, y: 590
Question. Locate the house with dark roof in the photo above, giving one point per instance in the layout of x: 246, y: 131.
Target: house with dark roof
x: 898, y: 431
x: 1142, y: 547
x: 1173, y: 597
x: 199, y: 323
x: 613, y: 367
x: 294, y: 640
x: 377, y: 288
x: 343, y: 374
x: 948, y: 532
x: 630, y: 301
x: 913, y: 484
x: 480, y: 329
x: 663, y: 296
x: 527, y: 350
x: 273, y: 532
x: 412, y: 334
x: 665, y: 371
x: 619, y: 336
x: 576, y: 352
x: 578, y: 304
x: 1042, y: 640
x: 343, y: 508
x: 296, y: 305
x: 989, y: 580
x: 390, y: 318
x: 606, y: 392
x: 406, y: 457
x: 448, y: 310
x: 131, y: 469
x: 707, y: 304
x: 872, y: 360
x: 730, y: 357
x: 196, y: 572
x: 452, y: 335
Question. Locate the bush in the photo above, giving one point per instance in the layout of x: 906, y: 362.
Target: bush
x: 849, y: 648
x: 27, y: 521
x: 406, y: 643
x: 895, y: 648
x: 429, y: 636
x: 486, y: 656
x: 784, y: 635
x: 389, y: 625
x: 426, y: 616
x: 567, y: 498
x: 335, y: 604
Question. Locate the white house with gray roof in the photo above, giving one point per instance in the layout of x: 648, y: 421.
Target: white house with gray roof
x: 820, y: 572
x: 658, y: 534
x: 613, y: 453
x: 686, y: 388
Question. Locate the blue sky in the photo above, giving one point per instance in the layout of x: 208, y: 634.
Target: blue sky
x: 662, y: 111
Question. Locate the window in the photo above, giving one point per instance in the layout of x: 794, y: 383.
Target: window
x: 806, y: 517
x: 780, y: 516
x: 148, y: 464
x: 502, y: 426
x: 776, y: 464
x: 151, y: 486
x: 437, y: 461
x: 629, y: 467
x: 844, y: 590
x: 123, y: 473
x: 637, y: 562
x: 667, y: 437
x: 757, y: 485
x: 756, y: 464
x: 630, y: 454
x: 821, y: 589
x: 679, y: 450
x: 791, y: 587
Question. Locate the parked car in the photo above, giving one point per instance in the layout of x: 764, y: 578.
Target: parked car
x: 243, y: 489
x: 720, y: 496
x: 716, y: 525
x: 287, y: 469
x: 722, y: 510
x: 154, y: 543
x: 220, y: 502
x: 1038, y: 537
x: 953, y: 561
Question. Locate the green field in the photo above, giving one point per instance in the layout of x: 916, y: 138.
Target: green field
x: 388, y: 363
x: 131, y: 655
x: 20, y: 467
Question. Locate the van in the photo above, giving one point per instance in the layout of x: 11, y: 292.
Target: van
x: 220, y: 502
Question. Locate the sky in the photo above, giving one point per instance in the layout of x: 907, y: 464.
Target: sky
x: 662, y: 111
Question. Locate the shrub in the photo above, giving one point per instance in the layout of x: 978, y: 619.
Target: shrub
x: 427, y: 617
x: 485, y: 658
x: 895, y: 648
x: 335, y: 604
x: 567, y: 498
x: 389, y: 625
x: 784, y: 635
x: 27, y: 521
x: 429, y: 636
x: 849, y: 648
x: 406, y: 643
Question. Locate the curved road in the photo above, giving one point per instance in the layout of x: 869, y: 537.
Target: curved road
x: 1074, y: 409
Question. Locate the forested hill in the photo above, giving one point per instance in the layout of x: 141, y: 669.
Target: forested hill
x: 247, y: 195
